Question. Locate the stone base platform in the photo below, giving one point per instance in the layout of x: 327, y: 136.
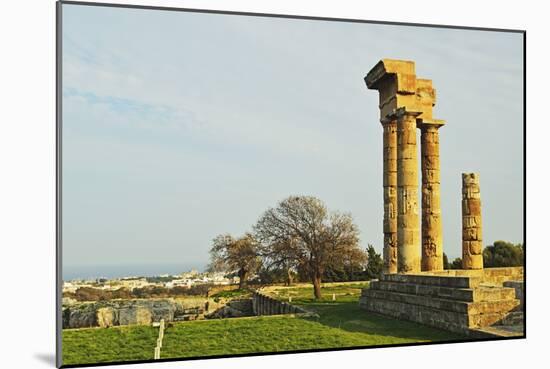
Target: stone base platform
x: 462, y: 301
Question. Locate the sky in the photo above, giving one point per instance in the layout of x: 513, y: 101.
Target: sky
x: 180, y: 126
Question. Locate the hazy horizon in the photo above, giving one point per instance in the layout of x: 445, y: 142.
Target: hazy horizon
x: 111, y: 271
x: 180, y: 126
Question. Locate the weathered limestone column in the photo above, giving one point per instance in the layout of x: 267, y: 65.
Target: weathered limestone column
x: 432, y: 232
x: 390, y: 195
x: 472, y: 249
x: 408, y: 230
x: 395, y: 80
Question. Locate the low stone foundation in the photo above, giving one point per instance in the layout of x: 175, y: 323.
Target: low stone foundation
x: 462, y: 301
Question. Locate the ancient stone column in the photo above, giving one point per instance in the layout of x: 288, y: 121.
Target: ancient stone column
x: 408, y: 222
x: 472, y: 249
x: 390, y: 195
x: 395, y: 81
x: 432, y: 232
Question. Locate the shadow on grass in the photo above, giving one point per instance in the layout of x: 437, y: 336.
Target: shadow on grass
x: 349, y: 317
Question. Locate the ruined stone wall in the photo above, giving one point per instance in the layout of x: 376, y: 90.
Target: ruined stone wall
x: 237, y: 308
x: 266, y: 305
x: 119, y: 312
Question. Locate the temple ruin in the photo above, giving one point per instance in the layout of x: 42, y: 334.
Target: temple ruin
x: 414, y: 286
x: 406, y: 104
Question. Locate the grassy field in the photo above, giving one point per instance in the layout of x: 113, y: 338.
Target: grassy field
x: 340, y: 324
x: 95, y: 345
x: 303, y: 293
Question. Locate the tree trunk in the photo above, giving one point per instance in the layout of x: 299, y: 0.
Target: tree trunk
x: 242, y: 278
x: 317, y: 286
x: 288, y: 277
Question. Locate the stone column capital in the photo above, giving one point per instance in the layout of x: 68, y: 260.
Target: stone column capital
x: 403, y: 112
x: 388, y: 120
x: 427, y: 124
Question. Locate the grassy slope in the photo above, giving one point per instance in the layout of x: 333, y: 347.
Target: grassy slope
x: 341, y: 324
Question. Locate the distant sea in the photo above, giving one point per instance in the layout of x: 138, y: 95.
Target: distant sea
x: 127, y: 270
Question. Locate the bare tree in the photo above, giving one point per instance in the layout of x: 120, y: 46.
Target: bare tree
x: 235, y: 255
x: 300, y: 229
x: 279, y: 256
x: 353, y: 260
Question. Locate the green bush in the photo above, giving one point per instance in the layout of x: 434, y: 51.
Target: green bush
x: 503, y: 254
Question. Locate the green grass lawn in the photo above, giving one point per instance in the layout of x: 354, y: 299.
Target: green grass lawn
x: 97, y: 345
x: 340, y: 324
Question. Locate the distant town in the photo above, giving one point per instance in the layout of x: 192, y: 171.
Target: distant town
x: 186, y: 280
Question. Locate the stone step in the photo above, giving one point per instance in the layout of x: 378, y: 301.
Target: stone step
x: 511, y: 272
x: 486, y: 320
x: 497, y: 332
x: 444, y: 319
x: 482, y: 307
x: 519, y: 287
x: 434, y: 280
x: 455, y: 322
x: 460, y: 294
x: 493, y: 276
x: 513, y: 319
x: 494, y: 294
